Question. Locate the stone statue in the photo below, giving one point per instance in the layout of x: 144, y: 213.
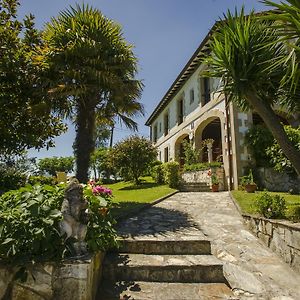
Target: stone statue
x: 75, y: 217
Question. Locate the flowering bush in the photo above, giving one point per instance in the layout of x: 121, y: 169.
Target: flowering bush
x: 270, y: 206
x: 100, y: 235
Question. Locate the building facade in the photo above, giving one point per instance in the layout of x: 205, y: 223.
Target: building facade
x: 194, y: 110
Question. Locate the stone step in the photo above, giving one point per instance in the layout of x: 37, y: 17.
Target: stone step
x: 165, y: 246
x: 162, y: 290
x: 194, y: 189
x: 163, y: 268
x: 204, y: 184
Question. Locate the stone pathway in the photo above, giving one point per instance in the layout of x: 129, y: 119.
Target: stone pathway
x: 250, y: 268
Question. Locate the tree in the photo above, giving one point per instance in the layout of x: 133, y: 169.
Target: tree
x: 25, y: 115
x: 51, y: 165
x: 242, y: 50
x: 99, y: 161
x: 133, y: 156
x: 90, y: 64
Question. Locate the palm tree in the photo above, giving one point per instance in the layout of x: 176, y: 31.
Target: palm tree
x: 89, y: 60
x: 286, y: 20
x: 245, y: 53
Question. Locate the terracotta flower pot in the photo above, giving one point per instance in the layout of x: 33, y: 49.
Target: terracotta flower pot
x: 250, y: 188
x: 215, y: 188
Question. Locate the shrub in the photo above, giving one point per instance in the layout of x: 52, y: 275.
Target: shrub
x: 158, y: 173
x: 171, y: 174
x: 293, y: 213
x: 11, y: 179
x: 202, y: 166
x: 270, y: 206
x: 30, y: 216
x: 49, y: 180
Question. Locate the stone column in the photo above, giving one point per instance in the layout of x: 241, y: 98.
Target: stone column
x: 209, y: 152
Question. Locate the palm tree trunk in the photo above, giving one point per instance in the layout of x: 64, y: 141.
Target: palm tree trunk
x: 84, y: 140
x: 271, y: 120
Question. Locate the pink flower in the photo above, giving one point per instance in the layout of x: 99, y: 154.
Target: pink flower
x: 108, y: 191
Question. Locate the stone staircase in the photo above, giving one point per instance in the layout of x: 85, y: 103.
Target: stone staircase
x: 163, y: 269
x: 194, y: 187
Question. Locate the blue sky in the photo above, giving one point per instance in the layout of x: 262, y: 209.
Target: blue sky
x: 165, y: 34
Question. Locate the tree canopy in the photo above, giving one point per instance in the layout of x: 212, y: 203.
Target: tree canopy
x: 25, y: 116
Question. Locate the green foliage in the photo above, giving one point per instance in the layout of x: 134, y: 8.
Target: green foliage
x: 171, y: 174
x: 29, y: 219
x: 100, y: 234
x: 10, y: 178
x: 293, y: 213
x: 55, y: 164
x: 157, y: 173
x: 214, y: 179
x: 25, y: 117
x: 29, y: 224
x: 258, y: 138
x: 48, y: 180
x: 133, y: 157
x: 270, y: 206
x: 247, y: 179
x: 278, y: 159
x: 100, y: 162
x: 202, y: 166
x: 191, y: 155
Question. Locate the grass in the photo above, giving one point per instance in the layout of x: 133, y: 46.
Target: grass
x: 129, y: 197
x: 246, y: 200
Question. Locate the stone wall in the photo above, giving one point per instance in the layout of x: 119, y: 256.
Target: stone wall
x: 203, y: 176
x: 282, y: 237
x: 277, y: 182
x: 71, y: 279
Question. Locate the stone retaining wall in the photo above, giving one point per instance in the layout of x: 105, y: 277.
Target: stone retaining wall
x: 282, y: 237
x: 72, y: 279
x: 277, y: 182
x: 203, y: 176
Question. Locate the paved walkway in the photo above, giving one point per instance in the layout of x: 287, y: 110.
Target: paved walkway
x: 252, y: 270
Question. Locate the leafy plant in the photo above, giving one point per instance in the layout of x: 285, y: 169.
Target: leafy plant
x: 157, y: 173
x: 191, y: 155
x: 100, y: 235
x: 278, y: 158
x: 247, y: 179
x: 49, y: 180
x: 11, y: 178
x: 257, y: 138
x: 202, y: 166
x: 29, y: 222
x: 270, y: 206
x: 214, y: 179
x: 171, y: 174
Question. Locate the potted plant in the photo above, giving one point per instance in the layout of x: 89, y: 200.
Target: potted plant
x: 214, y: 183
x: 248, y: 183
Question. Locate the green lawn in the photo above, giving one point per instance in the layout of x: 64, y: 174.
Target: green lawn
x: 246, y: 200
x: 129, y: 197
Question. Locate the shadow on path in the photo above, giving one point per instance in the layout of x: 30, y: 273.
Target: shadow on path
x: 155, y: 220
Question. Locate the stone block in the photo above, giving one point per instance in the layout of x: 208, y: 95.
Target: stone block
x: 269, y: 228
x: 20, y: 292
x: 6, y: 276
x: 296, y: 260
x: 265, y: 238
x: 278, y: 245
x: 295, y: 240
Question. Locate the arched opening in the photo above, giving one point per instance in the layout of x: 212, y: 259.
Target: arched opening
x: 210, y: 129
x: 179, y: 149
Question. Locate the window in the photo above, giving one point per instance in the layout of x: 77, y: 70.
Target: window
x: 166, y: 154
x: 155, y: 133
x: 180, y: 111
x: 159, y: 126
x: 166, y: 123
x: 205, y: 90
x: 192, y: 96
